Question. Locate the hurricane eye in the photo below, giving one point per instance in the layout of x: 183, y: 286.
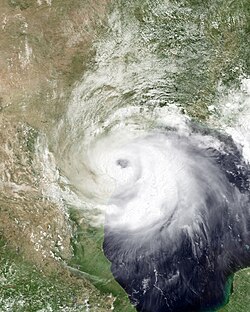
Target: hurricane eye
x: 123, y: 163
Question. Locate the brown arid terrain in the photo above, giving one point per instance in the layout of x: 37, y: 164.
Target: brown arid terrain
x: 41, y: 43
x: 29, y: 222
x: 51, y: 259
x: 45, y: 46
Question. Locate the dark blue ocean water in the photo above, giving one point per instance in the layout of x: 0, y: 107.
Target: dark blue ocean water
x: 189, y: 270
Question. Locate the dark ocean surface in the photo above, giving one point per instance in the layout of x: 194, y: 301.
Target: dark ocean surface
x: 188, y: 269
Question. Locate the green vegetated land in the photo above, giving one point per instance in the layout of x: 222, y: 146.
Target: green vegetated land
x: 89, y: 261
x: 57, y: 61
x: 240, y: 299
x: 25, y: 288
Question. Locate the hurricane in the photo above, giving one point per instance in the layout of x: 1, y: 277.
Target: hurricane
x: 169, y: 189
x: 175, y: 202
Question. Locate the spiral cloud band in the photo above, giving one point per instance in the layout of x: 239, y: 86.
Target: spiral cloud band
x: 176, y: 211
x: 177, y: 218
x: 173, y: 195
x: 181, y: 220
